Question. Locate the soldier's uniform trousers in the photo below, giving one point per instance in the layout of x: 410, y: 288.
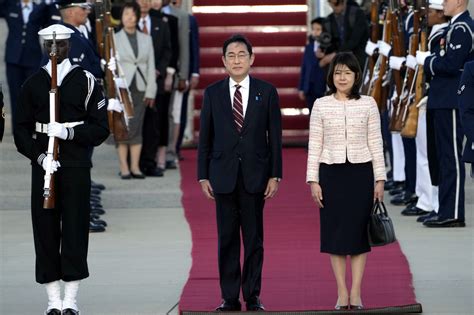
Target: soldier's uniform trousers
x: 61, y: 235
x: 398, y: 158
x: 448, y: 140
x: 426, y: 192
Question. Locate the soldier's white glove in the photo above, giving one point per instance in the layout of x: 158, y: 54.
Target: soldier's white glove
x: 421, y: 56
x: 370, y: 47
x: 54, y: 164
x: 396, y: 62
x: 384, y: 48
x: 57, y: 130
x: 112, y: 64
x: 120, y: 83
x: 422, y: 102
x: 411, y: 62
x: 114, y: 105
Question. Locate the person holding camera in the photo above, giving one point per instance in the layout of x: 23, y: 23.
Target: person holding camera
x: 312, y: 83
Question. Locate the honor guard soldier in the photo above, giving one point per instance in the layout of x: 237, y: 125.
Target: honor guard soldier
x: 445, y: 65
x: 74, y: 14
x: 61, y: 234
x: 466, y: 110
x: 22, y: 50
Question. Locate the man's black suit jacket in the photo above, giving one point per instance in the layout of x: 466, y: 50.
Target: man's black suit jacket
x: 160, y: 34
x: 257, y: 148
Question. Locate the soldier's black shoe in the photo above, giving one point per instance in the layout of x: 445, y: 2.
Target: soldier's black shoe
x: 254, y: 304
x: 443, y: 223
x: 94, y: 228
x: 98, y: 211
x: 403, y: 199
x: 53, y: 311
x: 70, y: 311
x: 423, y: 218
x: 413, y: 211
x: 396, y: 190
x: 391, y: 184
x: 229, y: 305
x: 95, y: 192
x: 97, y: 186
x: 95, y: 198
x: 99, y: 222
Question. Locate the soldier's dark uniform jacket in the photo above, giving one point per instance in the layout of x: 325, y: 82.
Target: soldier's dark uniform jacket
x: 466, y: 109
x: 61, y: 235
x: 447, y: 60
x: 80, y: 99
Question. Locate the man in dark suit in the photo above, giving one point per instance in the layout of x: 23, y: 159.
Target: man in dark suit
x: 349, y: 28
x: 158, y: 28
x: 22, y: 49
x: 239, y: 166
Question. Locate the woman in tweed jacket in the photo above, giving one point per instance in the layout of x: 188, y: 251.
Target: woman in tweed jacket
x: 346, y: 166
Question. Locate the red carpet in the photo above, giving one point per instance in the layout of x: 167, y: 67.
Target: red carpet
x: 296, y: 276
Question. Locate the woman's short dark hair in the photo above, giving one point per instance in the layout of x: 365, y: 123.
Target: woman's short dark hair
x: 349, y: 60
x: 237, y: 38
x: 136, y: 9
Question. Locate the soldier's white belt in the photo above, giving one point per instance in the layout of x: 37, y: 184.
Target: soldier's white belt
x: 43, y: 128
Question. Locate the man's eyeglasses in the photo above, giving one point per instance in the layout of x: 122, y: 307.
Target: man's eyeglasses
x: 232, y: 57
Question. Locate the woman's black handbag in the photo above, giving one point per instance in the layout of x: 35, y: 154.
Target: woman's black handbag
x: 380, y: 226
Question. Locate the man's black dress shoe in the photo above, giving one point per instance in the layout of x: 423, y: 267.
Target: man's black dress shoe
x: 156, y: 172
x: 437, y: 222
x: 70, y: 311
x: 254, y: 304
x: 392, y: 185
x: 227, y: 306
x: 414, y: 211
x: 396, y: 190
x: 97, y: 185
x: 95, y: 228
x: 95, y: 199
x: 425, y: 217
x: 53, y: 311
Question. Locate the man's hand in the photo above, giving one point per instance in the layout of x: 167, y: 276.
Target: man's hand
x: 317, y: 194
x: 194, y: 82
x: 207, y: 189
x: 301, y: 95
x: 272, y: 188
x: 396, y: 62
x: 384, y: 48
x: 168, y: 82
x: 57, y: 130
x: 379, y: 190
x: 182, y: 85
x: 319, y: 54
x: 150, y: 102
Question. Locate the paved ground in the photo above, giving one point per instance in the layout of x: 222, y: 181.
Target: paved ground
x: 141, y: 263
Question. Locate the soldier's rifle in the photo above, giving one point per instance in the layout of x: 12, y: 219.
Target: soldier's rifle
x: 49, y: 191
x: 376, y: 88
x: 374, y: 37
x: 399, y: 116
x: 411, y: 124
